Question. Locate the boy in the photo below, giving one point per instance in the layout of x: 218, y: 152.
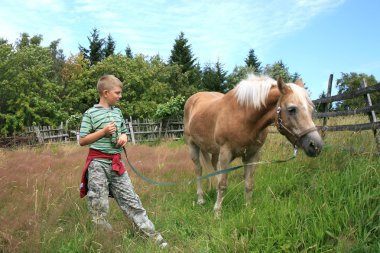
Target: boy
x: 104, y: 130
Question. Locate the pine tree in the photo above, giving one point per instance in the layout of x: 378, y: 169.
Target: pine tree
x: 3, y: 41
x: 221, y: 75
x: 110, y: 46
x: 95, y: 52
x: 252, y: 61
x: 181, y: 54
x: 128, y: 52
x: 58, y: 60
x: 214, y: 77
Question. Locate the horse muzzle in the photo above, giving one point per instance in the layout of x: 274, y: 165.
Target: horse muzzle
x: 311, y: 143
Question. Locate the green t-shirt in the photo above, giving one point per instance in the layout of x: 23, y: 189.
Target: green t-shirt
x: 95, y: 119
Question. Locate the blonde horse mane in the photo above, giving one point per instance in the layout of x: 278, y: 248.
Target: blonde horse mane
x: 254, y: 90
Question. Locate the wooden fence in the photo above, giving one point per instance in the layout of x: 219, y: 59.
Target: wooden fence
x: 137, y: 130
x: 149, y: 130
x: 48, y: 134
x: 369, y: 109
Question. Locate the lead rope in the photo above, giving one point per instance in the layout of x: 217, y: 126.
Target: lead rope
x: 206, y: 176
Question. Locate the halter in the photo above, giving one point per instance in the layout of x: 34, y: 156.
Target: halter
x: 280, y: 127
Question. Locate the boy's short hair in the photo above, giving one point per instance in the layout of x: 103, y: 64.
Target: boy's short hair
x: 108, y: 82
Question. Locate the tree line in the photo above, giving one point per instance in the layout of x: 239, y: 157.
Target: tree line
x: 39, y: 85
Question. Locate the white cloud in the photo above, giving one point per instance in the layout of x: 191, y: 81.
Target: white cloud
x: 45, y: 5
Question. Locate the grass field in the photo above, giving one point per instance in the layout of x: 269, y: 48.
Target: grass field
x: 326, y: 204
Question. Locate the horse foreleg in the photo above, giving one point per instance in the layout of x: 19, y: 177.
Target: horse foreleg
x: 224, y: 160
x: 249, y: 180
x: 195, y: 152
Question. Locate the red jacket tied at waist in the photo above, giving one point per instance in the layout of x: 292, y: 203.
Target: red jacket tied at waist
x: 117, y: 166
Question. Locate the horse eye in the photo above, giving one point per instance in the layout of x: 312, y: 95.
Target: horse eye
x: 292, y: 110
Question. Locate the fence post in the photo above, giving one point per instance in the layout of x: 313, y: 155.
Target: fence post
x: 160, y: 130
x: 131, y: 130
x: 372, y: 116
x: 61, y: 133
x: 40, y: 138
x: 327, y: 105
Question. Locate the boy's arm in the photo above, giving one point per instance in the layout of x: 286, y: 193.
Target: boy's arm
x: 110, y: 128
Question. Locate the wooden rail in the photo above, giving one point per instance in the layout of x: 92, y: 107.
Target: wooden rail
x: 348, y: 95
x: 369, y: 109
x: 45, y: 134
x: 148, y: 130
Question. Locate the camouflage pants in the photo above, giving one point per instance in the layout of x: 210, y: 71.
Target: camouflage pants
x: 101, y: 180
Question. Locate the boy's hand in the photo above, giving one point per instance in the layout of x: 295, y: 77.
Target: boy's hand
x: 110, y: 128
x: 123, y: 139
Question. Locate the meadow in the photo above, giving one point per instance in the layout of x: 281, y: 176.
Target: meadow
x: 326, y: 204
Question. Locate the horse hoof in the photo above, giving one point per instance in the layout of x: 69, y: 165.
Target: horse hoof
x: 217, y: 215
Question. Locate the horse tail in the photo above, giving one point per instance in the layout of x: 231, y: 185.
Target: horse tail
x: 206, y: 163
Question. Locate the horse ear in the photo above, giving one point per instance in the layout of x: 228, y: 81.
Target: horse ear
x: 300, y: 83
x: 282, y: 86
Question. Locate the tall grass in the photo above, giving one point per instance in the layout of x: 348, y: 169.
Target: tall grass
x: 326, y: 204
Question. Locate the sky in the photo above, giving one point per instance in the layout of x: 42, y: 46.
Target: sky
x: 314, y: 38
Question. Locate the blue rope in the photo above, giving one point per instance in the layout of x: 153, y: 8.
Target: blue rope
x: 205, y: 176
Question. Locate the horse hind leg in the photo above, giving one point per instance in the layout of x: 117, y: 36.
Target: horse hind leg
x: 195, y: 156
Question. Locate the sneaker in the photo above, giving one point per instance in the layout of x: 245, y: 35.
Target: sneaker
x: 158, y: 239
x: 163, y: 245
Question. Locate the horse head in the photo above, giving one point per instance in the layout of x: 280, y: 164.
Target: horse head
x: 294, y: 117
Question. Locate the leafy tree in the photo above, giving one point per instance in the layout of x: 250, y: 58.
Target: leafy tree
x: 110, y: 46
x: 36, y: 40
x: 278, y: 69
x: 95, y: 52
x: 28, y: 94
x: 252, y: 61
x: 145, y: 84
x: 350, y: 82
x: 239, y: 73
x: 23, y: 41
x: 76, y: 93
x: 172, y: 108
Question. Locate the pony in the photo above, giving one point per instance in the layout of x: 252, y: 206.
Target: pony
x: 231, y: 125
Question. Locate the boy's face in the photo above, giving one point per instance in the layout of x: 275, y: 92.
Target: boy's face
x: 113, y: 95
